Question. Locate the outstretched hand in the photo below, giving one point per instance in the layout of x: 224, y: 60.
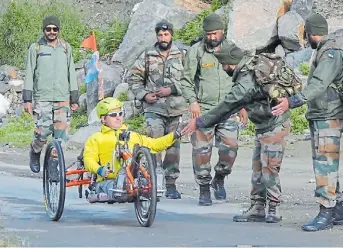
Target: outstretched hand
x: 190, y: 128
x: 282, y: 107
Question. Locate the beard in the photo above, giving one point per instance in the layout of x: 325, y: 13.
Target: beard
x: 312, y: 42
x: 164, y: 46
x: 213, y: 43
x: 229, y: 72
x: 51, y: 37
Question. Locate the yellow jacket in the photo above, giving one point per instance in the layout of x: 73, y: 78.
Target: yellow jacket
x: 99, y: 148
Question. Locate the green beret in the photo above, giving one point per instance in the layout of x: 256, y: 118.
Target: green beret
x: 316, y: 25
x: 212, y: 22
x: 229, y: 54
x: 51, y: 20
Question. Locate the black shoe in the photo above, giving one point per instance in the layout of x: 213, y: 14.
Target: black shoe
x: 35, y: 161
x: 274, y: 215
x: 218, y: 185
x: 322, y: 221
x: 338, y: 213
x: 53, y: 170
x: 172, y: 192
x: 205, y: 196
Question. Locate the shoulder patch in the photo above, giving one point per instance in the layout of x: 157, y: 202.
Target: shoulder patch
x: 331, y: 53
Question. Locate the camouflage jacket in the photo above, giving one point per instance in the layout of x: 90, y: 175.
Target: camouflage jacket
x: 245, y: 93
x: 321, y: 94
x: 162, y: 72
x: 204, y: 79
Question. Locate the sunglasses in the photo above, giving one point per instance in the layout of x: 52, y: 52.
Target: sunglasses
x: 48, y: 29
x: 115, y: 114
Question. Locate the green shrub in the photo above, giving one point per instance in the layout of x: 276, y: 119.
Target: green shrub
x: 21, y: 25
x: 304, y: 68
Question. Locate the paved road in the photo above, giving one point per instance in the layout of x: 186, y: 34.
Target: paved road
x: 178, y: 223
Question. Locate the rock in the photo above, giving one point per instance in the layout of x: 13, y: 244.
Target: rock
x: 83, y: 101
x: 334, y: 24
x: 111, y: 78
x: 302, y: 7
x: 291, y: 31
x: 294, y: 59
x: 279, y: 50
x: 141, y: 33
x: 4, y: 105
x: 121, y: 88
x: 81, y: 135
x: 252, y: 23
x: 4, y: 87
x: 131, y: 109
x: 130, y: 95
x: 80, y: 76
x: 92, y: 117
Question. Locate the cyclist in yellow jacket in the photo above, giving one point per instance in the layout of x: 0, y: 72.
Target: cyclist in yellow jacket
x: 99, y: 146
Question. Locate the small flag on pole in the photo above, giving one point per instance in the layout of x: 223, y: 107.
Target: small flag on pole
x: 90, y: 42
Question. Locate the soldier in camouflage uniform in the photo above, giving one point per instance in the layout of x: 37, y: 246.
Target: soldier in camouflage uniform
x: 50, y: 88
x: 271, y: 132
x: 325, y: 115
x: 154, y: 79
x: 205, y: 83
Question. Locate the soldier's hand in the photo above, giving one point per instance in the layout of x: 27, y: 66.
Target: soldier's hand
x: 165, y: 91
x: 74, y: 106
x: 150, y: 98
x: 28, y: 107
x: 190, y: 128
x: 243, y: 115
x: 194, y: 109
x: 282, y: 107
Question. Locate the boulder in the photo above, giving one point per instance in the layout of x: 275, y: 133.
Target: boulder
x: 111, y: 78
x: 141, y: 34
x: 121, y: 88
x: 252, y: 23
x: 131, y: 109
x: 291, y: 30
x: 302, y: 7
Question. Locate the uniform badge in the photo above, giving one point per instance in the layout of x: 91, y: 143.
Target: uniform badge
x: 330, y: 54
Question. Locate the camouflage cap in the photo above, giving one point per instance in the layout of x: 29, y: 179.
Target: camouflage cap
x: 164, y: 25
x: 229, y: 54
x: 316, y: 24
x: 212, y: 22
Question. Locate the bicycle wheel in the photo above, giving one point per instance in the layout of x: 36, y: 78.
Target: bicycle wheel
x: 54, y: 179
x: 146, y: 198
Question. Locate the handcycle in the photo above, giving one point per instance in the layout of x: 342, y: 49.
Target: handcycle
x: 138, y: 180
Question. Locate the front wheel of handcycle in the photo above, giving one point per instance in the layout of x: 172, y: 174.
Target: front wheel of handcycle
x: 145, y: 175
x: 54, y: 180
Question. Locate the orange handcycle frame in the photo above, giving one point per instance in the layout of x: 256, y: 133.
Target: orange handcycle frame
x: 131, y: 173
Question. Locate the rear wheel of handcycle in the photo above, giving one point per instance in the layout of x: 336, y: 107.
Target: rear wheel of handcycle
x: 146, y: 198
x: 54, y: 180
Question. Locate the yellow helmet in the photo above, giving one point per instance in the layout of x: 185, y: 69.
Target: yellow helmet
x: 106, y: 105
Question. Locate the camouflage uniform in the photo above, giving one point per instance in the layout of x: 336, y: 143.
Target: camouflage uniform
x: 148, y: 74
x: 51, y: 86
x: 325, y: 115
x: 271, y: 132
x: 207, y: 83
x: 50, y: 118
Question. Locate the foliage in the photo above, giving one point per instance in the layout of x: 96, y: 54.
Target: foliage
x: 109, y: 40
x: 21, y: 25
x: 18, y: 130
x: 304, y: 68
x: 123, y: 97
x: 78, y: 119
x: 137, y: 124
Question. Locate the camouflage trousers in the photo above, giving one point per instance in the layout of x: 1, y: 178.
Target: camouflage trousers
x: 225, y: 135
x: 50, y: 118
x: 325, y: 140
x: 158, y: 126
x: 266, y: 164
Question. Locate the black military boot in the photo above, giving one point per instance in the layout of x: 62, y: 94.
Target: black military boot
x: 218, y: 185
x: 172, y: 192
x: 274, y: 215
x: 205, y: 196
x: 338, y: 213
x: 255, y: 213
x: 35, y: 161
x: 322, y: 221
